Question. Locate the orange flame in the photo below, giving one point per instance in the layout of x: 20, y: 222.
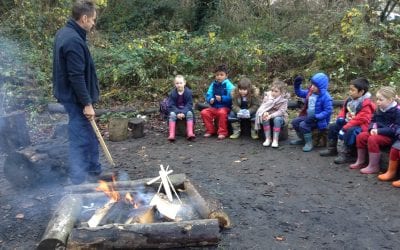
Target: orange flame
x: 129, y: 199
x: 109, y: 190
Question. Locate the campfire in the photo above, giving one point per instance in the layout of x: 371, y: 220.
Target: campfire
x: 162, y: 212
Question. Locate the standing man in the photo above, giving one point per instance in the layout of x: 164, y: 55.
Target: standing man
x: 75, y: 86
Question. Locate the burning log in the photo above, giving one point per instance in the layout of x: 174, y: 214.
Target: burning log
x: 206, y: 206
x: 61, y: 223
x: 156, y: 235
x: 165, y: 207
x: 142, y: 214
x: 100, y: 213
x: 119, y: 213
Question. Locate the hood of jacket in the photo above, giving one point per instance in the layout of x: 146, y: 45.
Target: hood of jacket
x: 320, y: 80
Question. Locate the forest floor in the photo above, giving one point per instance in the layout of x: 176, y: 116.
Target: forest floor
x: 276, y: 198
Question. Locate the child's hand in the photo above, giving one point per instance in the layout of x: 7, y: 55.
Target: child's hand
x: 212, y: 101
x: 373, y: 131
x: 180, y: 116
x: 298, y: 79
x: 218, y: 97
x: 266, y: 116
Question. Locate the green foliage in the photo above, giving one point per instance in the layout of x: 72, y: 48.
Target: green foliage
x: 140, y: 45
x: 133, y: 64
x: 143, y: 16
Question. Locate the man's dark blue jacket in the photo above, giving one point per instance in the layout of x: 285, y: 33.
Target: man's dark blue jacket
x: 74, y: 73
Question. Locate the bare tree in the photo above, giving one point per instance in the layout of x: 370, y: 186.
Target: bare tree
x: 389, y: 7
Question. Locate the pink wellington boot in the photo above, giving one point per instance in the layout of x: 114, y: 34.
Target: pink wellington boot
x: 171, y: 136
x: 361, y: 159
x: 373, y: 165
x: 190, y: 130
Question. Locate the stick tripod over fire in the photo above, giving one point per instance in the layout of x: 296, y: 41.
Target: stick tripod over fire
x: 166, y: 183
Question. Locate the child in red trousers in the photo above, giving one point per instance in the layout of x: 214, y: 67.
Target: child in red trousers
x: 394, y: 159
x: 381, y: 131
x: 220, y: 100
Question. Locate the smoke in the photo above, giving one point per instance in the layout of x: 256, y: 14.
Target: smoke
x: 11, y: 70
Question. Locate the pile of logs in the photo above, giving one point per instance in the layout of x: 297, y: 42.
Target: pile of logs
x: 116, y: 225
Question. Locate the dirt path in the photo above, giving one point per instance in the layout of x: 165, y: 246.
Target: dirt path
x: 277, y: 198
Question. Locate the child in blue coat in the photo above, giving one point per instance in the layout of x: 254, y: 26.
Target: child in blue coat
x: 220, y: 100
x: 319, y: 109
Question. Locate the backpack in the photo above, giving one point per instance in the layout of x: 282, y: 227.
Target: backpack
x: 164, y: 108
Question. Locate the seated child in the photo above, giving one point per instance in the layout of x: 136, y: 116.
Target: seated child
x: 381, y: 132
x: 244, y: 106
x: 273, y: 112
x: 219, y: 97
x: 319, y: 109
x: 353, y: 118
x: 180, y: 106
x: 394, y: 158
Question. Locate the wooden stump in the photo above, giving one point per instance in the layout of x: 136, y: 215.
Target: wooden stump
x: 136, y: 127
x: 118, y: 129
x: 13, y: 132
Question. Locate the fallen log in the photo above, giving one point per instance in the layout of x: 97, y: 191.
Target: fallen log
x: 176, y: 179
x: 156, y: 235
x: 292, y: 104
x: 61, y: 223
x: 205, y: 205
x: 59, y: 108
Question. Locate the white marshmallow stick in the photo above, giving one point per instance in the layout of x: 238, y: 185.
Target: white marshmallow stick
x: 165, y: 183
x: 158, y: 177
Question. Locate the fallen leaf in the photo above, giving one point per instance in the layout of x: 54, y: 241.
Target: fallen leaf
x: 19, y: 216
